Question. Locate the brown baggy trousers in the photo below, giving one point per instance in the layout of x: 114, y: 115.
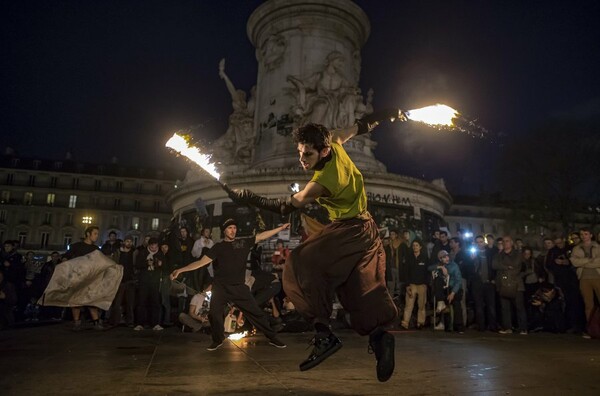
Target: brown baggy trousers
x: 345, y: 257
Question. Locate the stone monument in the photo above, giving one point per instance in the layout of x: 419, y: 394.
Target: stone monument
x: 309, y: 64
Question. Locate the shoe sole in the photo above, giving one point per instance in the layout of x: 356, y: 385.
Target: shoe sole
x: 323, y: 357
x: 386, y: 365
x: 215, y: 348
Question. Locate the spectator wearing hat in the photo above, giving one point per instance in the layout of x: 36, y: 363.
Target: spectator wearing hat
x: 126, y: 292
x: 149, y: 263
x: 447, y: 290
x: 229, y: 258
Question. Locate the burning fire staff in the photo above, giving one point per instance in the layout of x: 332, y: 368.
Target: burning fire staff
x: 229, y: 266
x: 346, y: 256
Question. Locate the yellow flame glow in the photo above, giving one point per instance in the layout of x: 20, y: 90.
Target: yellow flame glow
x: 179, y: 144
x: 438, y: 114
x: 237, y: 336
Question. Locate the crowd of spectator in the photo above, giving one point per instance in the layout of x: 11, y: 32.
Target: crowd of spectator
x: 495, y: 284
x: 457, y: 283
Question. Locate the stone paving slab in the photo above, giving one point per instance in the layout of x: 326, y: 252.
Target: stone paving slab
x: 52, y: 360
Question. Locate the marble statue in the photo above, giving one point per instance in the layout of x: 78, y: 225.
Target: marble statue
x: 326, y: 97
x: 271, y: 53
x: 236, y: 145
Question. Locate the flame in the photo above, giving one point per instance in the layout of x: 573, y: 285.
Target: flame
x: 438, y: 114
x: 237, y: 336
x: 180, y: 144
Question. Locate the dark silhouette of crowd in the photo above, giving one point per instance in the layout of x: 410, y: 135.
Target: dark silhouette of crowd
x: 452, y: 283
x: 493, y: 284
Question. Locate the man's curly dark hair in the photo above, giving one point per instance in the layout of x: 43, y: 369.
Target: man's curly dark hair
x: 316, y: 135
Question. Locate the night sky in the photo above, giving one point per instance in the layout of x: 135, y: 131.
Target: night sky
x: 104, y: 78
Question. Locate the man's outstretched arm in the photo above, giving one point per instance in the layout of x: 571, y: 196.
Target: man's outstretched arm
x: 204, y: 261
x: 268, y: 234
x: 365, y: 125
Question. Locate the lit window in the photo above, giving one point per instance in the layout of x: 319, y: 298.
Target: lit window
x: 135, y: 223
x: 28, y: 198
x: 5, y: 197
x: 50, y: 198
x: 72, y: 201
x: 155, y: 224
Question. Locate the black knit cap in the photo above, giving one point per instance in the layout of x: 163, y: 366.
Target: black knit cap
x: 227, y: 223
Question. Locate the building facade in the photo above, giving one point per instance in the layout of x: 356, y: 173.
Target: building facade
x: 46, y: 204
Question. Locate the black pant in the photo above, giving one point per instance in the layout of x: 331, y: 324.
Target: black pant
x: 519, y: 305
x: 457, y: 323
x: 266, y: 293
x: 125, y: 292
x: 484, y: 297
x: 241, y: 297
x: 574, y: 308
x: 148, y: 304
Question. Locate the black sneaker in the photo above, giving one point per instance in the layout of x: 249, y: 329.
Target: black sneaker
x: 214, y: 346
x: 382, y: 344
x: 324, y: 347
x: 277, y: 343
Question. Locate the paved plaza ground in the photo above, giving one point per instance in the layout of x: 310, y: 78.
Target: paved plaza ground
x: 52, y: 360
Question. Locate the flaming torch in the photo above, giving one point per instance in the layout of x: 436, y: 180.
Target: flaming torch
x: 436, y: 115
x: 181, y: 145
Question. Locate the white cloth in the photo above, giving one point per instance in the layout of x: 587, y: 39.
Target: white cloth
x: 90, y: 280
x: 201, y: 302
x: 200, y: 244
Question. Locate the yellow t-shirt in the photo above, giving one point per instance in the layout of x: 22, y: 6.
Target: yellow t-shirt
x: 345, y: 183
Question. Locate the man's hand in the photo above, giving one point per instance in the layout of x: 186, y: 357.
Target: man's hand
x: 234, y: 195
x: 450, y: 297
x: 409, y: 292
x: 370, y: 121
x: 174, y: 274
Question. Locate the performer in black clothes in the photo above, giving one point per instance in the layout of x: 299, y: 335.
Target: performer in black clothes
x: 229, y: 258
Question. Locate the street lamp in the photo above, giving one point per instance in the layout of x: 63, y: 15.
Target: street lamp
x: 86, y: 219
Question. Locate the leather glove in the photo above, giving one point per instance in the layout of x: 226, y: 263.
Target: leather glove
x: 247, y: 197
x: 370, y: 121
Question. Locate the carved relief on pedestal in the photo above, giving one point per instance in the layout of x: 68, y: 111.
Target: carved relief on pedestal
x: 271, y: 52
x: 237, y: 144
x: 327, y: 97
